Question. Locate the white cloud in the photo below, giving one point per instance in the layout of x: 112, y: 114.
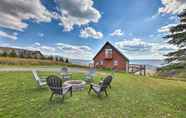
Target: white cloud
x: 75, y: 51
x: 37, y: 44
x: 174, y: 18
x: 3, y: 44
x: 61, y: 49
x: 166, y: 28
x: 14, y: 12
x: 15, y: 33
x: 133, y: 45
x: 44, y: 49
x: 172, y: 6
x: 90, y: 32
x: 138, y: 48
x: 153, y: 17
x: 40, y: 34
x: 77, y: 12
x: 9, y: 36
x: 48, y: 50
x: 117, y: 32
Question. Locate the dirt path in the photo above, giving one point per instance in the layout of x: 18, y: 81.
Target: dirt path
x: 54, y: 69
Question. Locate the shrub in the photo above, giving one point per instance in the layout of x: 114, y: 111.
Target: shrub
x: 67, y: 61
x: 12, y: 54
x: 4, y: 54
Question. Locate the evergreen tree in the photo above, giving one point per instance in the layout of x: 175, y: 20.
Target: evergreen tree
x: 12, y: 54
x: 66, y: 61
x: 50, y: 58
x: 4, y: 54
x: 177, y: 37
x: 61, y: 59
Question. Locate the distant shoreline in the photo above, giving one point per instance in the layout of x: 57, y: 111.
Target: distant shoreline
x: 148, y: 62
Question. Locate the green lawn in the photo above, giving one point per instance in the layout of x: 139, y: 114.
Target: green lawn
x: 130, y: 97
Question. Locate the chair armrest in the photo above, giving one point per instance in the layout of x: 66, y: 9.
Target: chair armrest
x: 56, y: 89
x: 100, y: 82
x: 67, y: 87
x: 43, y: 80
x: 92, y: 84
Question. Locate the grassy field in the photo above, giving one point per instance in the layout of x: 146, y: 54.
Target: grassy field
x: 21, y: 62
x: 130, y: 97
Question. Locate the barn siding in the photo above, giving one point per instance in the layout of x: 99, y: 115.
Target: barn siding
x: 108, y: 63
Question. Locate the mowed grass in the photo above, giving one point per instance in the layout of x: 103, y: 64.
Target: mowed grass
x: 130, y: 97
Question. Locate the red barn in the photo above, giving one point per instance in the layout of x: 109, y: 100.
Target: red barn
x: 111, y: 57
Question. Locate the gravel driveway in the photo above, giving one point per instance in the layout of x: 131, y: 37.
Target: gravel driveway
x: 53, y: 69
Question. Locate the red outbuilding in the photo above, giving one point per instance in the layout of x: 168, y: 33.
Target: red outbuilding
x: 111, y: 57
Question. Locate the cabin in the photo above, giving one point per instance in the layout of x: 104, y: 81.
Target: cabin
x: 110, y: 57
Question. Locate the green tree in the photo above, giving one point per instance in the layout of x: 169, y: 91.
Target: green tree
x: 177, y: 37
x: 4, y: 54
x: 50, y: 58
x: 61, y: 59
x: 12, y: 54
x: 66, y: 61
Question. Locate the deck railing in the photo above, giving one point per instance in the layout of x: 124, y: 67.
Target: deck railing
x: 137, y: 68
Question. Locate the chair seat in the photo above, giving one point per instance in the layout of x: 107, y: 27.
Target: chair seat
x: 43, y: 80
x: 96, y: 88
x: 43, y: 83
x: 66, y: 76
x: 61, y: 90
x: 65, y: 90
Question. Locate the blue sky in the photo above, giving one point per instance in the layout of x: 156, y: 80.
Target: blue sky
x: 79, y: 28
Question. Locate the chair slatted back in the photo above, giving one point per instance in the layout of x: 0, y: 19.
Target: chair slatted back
x: 106, y: 82
x: 64, y: 70
x: 92, y: 72
x: 55, y: 84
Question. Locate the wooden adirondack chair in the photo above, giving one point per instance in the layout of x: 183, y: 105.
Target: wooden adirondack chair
x: 90, y: 75
x: 65, y: 73
x: 98, y: 89
x: 55, y: 85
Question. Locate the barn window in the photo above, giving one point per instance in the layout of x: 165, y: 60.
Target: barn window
x: 97, y: 63
x: 115, y: 62
x: 108, y: 53
x: 101, y: 62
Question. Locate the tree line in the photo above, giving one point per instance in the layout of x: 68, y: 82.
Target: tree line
x: 44, y: 57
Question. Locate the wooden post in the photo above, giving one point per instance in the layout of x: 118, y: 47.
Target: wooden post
x: 141, y: 68
x: 144, y: 70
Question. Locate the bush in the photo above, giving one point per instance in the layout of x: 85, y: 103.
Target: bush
x: 66, y: 61
x: 172, y: 67
x: 4, y: 54
x: 12, y: 54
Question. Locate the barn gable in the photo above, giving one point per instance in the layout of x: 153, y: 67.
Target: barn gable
x: 111, y: 57
x: 114, y: 48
